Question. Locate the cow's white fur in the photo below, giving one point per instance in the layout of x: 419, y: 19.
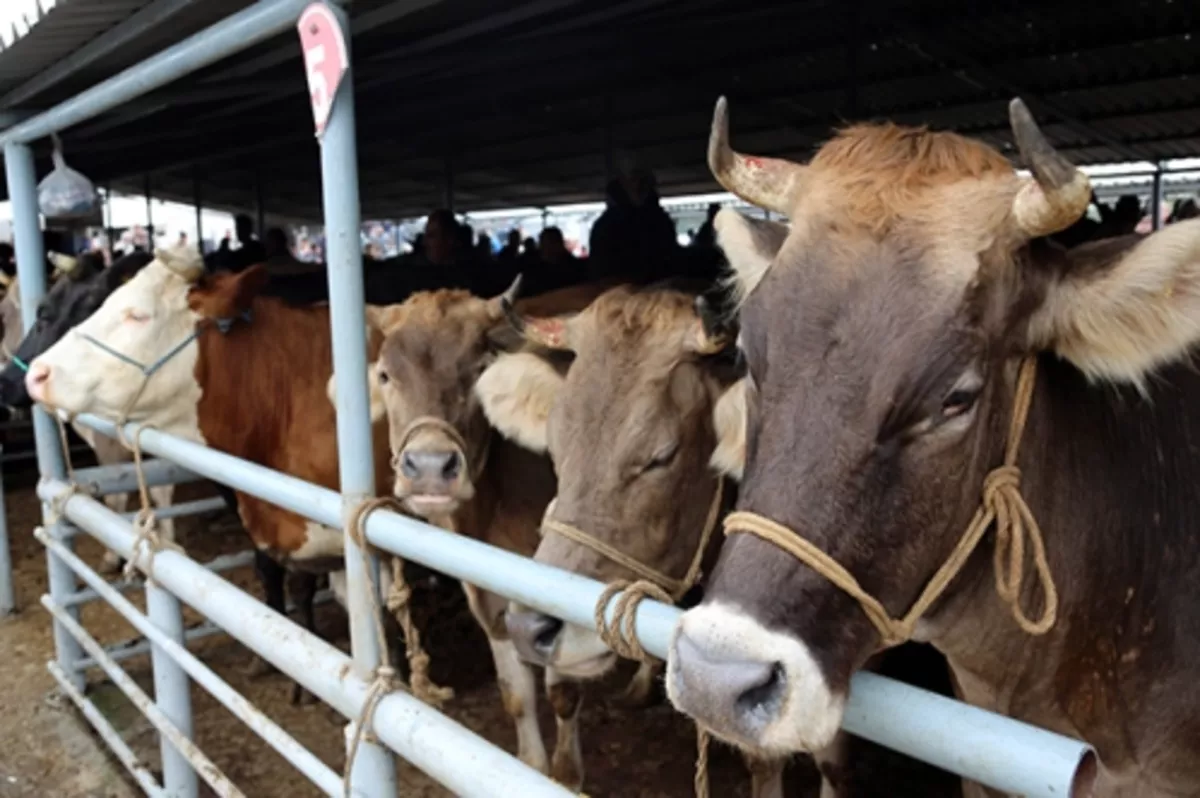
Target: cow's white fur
x: 1123, y: 322
x: 517, y: 392
x: 84, y: 378
x: 519, y: 691
x: 810, y: 713
x: 729, y: 421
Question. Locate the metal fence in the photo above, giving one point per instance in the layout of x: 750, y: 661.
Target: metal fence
x: 994, y: 750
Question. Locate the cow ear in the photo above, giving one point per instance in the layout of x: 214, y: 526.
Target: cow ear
x: 378, y: 408
x: 1119, y: 309
x: 517, y: 392
x: 226, y: 295
x: 750, y: 246
x: 383, y: 317
x: 729, y: 422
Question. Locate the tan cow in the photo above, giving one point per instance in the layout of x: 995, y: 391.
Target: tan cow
x: 454, y: 471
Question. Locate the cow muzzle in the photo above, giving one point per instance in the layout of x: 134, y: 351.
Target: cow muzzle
x: 758, y: 689
x: 573, y: 652
x: 432, y: 475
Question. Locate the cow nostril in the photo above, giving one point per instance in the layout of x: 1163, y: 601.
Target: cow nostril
x: 408, y: 466
x: 763, y: 694
x: 547, y: 633
x: 452, y: 466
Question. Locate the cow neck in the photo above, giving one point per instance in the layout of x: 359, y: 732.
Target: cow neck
x: 1002, y: 505
x: 674, y: 588
x: 260, y: 374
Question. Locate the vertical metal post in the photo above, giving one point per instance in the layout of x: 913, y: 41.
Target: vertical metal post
x: 1156, y: 199
x: 8, y: 599
x: 31, y: 270
x: 198, y: 202
x: 448, y: 184
x: 172, y: 691
x: 149, y: 214
x: 374, y: 771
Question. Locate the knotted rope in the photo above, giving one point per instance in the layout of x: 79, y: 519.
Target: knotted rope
x: 384, y: 679
x: 1002, y: 504
x: 621, y: 635
x: 145, y: 523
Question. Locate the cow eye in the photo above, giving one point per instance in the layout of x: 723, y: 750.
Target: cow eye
x: 663, y: 458
x: 136, y: 316
x: 382, y: 376
x: 959, y: 401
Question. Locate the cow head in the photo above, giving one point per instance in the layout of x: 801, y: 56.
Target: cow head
x: 436, y: 345
x: 882, y: 339
x: 81, y: 286
x: 148, y: 323
x: 649, y: 403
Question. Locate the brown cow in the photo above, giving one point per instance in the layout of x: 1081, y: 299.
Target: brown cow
x: 256, y: 390
x: 451, y: 469
x: 883, y: 340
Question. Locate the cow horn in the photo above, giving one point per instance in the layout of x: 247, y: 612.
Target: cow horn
x: 502, y: 304
x: 1059, y: 193
x: 770, y: 183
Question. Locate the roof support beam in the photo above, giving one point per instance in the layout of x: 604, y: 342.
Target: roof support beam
x: 146, y: 18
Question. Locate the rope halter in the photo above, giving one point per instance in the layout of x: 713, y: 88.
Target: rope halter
x: 1002, y: 504
x: 619, y: 635
x: 474, y: 468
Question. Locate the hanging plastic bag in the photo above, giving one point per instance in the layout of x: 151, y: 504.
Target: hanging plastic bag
x: 65, y: 193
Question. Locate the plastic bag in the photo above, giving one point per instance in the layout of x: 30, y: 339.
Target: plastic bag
x: 65, y: 193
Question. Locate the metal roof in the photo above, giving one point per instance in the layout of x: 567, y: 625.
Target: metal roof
x: 520, y: 102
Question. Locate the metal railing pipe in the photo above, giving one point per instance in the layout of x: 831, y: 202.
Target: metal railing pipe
x: 31, y: 270
x: 8, y: 597
x: 235, y: 33
x: 220, y: 783
x: 876, y: 715
x: 172, y: 691
x: 425, y: 737
x: 124, y: 754
x: 122, y: 477
x: 313, y: 768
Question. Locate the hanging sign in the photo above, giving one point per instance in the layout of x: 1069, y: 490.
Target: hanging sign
x: 325, y: 59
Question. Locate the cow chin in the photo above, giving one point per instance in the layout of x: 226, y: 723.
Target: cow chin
x: 758, y: 689
x: 581, y: 655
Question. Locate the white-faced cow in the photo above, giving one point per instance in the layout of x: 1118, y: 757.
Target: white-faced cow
x: 884, y: 340
x: 453, y: 470
x: 240, y: 372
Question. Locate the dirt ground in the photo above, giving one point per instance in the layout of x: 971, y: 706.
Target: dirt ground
x: 48, y: 749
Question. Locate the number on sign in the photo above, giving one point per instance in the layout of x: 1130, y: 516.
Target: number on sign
x: 314, y: 57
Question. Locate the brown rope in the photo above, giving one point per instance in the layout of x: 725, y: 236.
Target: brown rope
x: 384, y: 678
x: 1002, y: 503
x: 700, y: 780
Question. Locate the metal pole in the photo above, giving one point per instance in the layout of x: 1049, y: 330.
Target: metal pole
x: 149, y: 215
x: 31, y: 270
x: 374, y: 771
x: 1156, y: 199
x: 240, y: 31
x: 108, y: 222
x: 8, y: 599
x: 172, y: 691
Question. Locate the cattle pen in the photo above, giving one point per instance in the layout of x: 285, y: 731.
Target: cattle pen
x: 999, y: 752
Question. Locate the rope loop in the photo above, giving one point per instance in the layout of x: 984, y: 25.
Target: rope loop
x: 621, y: 634
x: 1001, y: 504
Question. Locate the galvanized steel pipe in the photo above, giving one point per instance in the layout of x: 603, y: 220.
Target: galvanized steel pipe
x: 235, y: 33
x: 1000, y: 752
x: 453, y: 755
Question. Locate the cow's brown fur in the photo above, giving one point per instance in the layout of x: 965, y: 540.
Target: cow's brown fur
x: 264, y: 397
x: 436, y: 345
x: 855, y: 338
